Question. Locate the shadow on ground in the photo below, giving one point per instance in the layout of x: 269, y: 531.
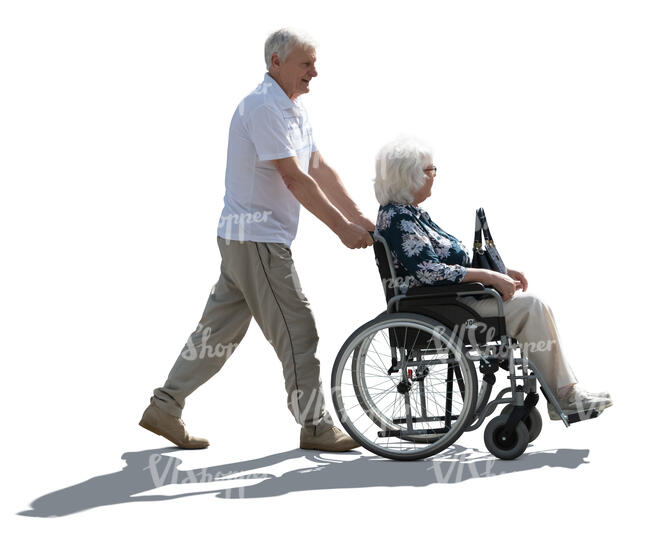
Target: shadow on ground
x: 149, y: 469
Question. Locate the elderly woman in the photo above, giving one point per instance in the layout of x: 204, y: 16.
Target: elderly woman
x: 424, y: 254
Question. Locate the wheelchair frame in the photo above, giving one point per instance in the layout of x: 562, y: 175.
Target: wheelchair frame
x: 519, y: 407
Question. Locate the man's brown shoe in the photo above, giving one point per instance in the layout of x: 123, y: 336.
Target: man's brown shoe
x: 171, y: 427
x: 332, y: 440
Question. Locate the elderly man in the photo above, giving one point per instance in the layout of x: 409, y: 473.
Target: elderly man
x: 273, y: 166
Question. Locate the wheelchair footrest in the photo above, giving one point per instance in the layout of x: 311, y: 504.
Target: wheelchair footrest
x: 583, y: 415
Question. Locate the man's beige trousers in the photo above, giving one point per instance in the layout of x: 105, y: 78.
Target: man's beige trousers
x: 257, y: 280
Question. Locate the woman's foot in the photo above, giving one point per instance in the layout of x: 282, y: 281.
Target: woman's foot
x: 579, y: 400
x: 602, y: 395
x: 563, y: 392
x: 578, y: 389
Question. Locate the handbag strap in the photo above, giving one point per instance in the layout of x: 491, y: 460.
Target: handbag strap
x: 480, y: 215
x: 478, y: 234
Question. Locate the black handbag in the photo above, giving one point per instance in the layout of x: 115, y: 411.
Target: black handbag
x: 488, y: 257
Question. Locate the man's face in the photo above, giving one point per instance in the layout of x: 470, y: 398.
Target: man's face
x: 295, y: 73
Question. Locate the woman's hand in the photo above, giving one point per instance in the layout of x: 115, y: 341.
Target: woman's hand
x: 504, y: 284
x: 519, y: 276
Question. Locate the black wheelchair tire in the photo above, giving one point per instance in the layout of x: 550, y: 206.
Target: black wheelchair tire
x: 533, y: 421
x: 513, y: 447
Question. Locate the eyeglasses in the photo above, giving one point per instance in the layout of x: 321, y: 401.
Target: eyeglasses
x: 431, y: 169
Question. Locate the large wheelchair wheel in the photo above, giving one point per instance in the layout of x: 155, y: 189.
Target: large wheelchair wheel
x: 403, y: 386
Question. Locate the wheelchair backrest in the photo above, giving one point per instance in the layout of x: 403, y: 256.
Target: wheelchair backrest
x: 383, y: 260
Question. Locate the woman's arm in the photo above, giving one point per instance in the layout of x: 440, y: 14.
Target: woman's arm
x: 412, y: 248
x: 501, y: 282
x: 516, y: 275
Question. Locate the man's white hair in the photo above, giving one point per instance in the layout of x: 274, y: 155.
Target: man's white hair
x: 283, y: 41
x: 399, y: 170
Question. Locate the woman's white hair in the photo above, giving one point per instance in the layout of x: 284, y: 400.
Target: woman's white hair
x: 399, y: 170
x: 283, y: 41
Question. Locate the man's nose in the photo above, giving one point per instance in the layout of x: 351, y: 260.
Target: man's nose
x: 313, y: 72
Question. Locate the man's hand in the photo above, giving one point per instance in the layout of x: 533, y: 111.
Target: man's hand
x: 519, y: 276
x: 364, y: 223
x: 354, y: 236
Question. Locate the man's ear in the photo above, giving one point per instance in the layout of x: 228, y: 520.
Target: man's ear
x: 275, y: 62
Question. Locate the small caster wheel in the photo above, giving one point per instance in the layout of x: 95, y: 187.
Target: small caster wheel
x: 533, y: 421
x: 505, y: 447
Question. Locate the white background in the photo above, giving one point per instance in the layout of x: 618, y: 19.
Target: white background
x: 113, y: 132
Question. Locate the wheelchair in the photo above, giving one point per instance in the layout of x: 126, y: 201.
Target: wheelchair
x: 405, y: 387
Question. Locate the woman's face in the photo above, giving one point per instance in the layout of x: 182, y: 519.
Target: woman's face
x: 425, y: 191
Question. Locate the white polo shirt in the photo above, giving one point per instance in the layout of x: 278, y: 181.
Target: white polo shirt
x: 258, y: 206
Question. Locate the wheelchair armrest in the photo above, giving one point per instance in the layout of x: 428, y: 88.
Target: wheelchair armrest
x: 430, y: 291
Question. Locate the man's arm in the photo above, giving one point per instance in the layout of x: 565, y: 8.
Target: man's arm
x: 330, y: 183
x: 308, y: 193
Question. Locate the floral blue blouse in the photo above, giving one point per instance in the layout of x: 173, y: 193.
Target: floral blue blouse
x: 423, y: 254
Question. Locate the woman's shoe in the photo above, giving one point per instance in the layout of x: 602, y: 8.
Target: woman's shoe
x: 579, y: 389
x: 602, y: 395
x: 580, y: 401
